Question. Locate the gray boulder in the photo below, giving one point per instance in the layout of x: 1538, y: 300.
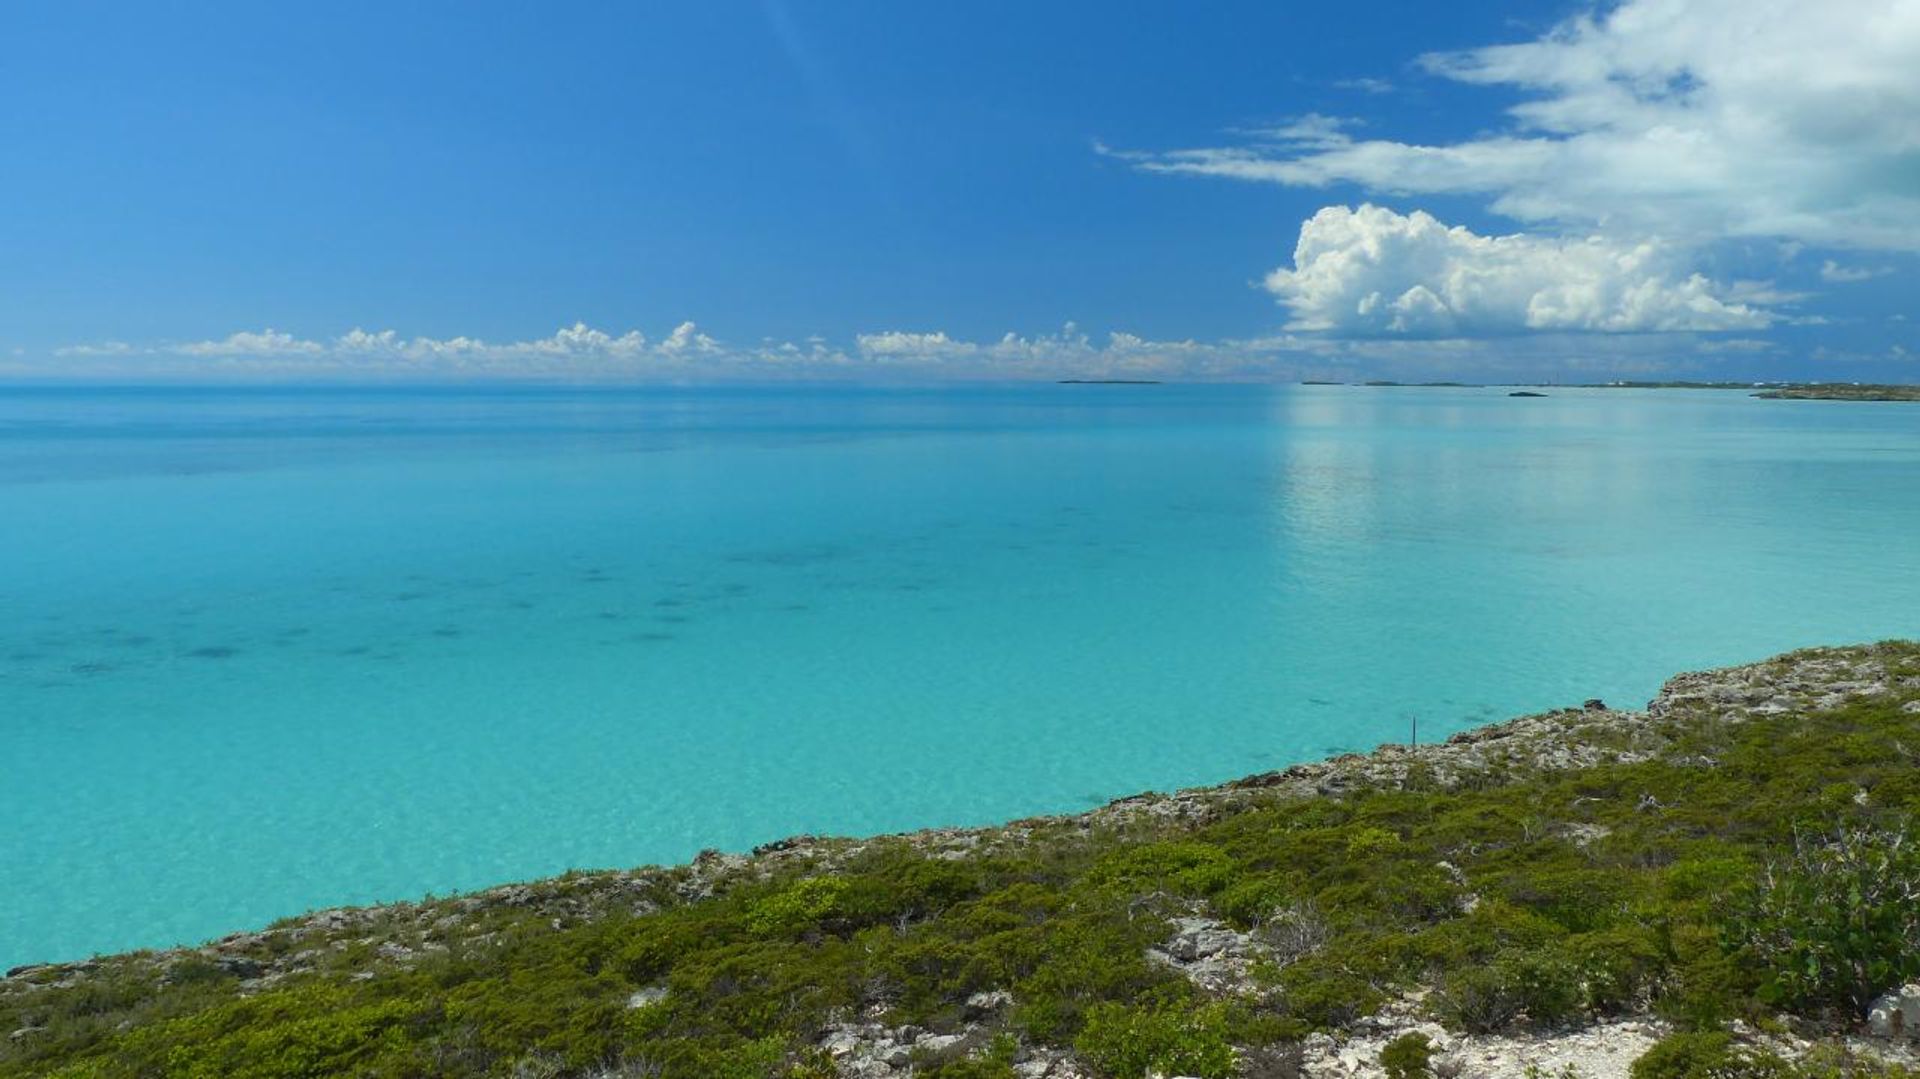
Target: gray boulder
x: 1896, y: 1014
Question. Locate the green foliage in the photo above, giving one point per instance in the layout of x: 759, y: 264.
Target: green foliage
x: 1410, y: 1056
x: 1127, y: 1043
x: 802, y: 905
x: 1838, y: 921
x: 1541, y: 987
x: 1707, y: 1055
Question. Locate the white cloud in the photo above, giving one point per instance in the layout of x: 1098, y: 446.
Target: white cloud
x: 1365, y: 85
x: 102, y: 348
x: 898, y: 344
x: 1687, y: 119
x: 267, y: 342
x: 583, y: 352
x: 1071, y: 354
x: 1373, y: 272
x: 1835, y: 273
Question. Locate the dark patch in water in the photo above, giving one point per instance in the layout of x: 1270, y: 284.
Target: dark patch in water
x: 132, y: 640
x: 671, y: 618
x: 798, y: 607
x: 295, y: 631
x: 216, y: 651
x: 1095, y: 798
x: 611, y: 616
x: 408, y: 597
x: 25, y: 657
x: 669, y: 601
x: 521, y: 604
x: 654, y: 638
x: 92, y: 668
x: 353, y: 650
x: 1321, y: 701
x: 449, y: 632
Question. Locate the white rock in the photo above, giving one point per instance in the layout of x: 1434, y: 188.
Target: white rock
x: 840, y: 1043
x: 652, y: 994
x: 1896, y: 1014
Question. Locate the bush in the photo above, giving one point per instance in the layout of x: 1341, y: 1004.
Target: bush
x: 1129, y: 1042
x: 1837, y: 922
x: 798, y: 906
x: 1410, y: 1056
x: 1543, y: 987
x: 1707, y: 1055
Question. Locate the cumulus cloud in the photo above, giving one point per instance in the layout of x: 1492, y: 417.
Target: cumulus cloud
x: 267, y: 342
x: 1687, y: 119
x: 565, y: 348
x: 685, y: 353
x: 1073, y: 354
x: 1371, y: 271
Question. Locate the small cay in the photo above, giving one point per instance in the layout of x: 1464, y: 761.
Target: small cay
x: 1721, y: 884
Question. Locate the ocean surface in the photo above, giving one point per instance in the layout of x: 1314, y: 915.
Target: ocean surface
x: 263, y: 651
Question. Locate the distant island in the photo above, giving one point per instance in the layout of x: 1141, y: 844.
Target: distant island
x: 1109, y: 382
x: 1841, y: 391
x: 1779, y: 391
x: 1717, y: 880
x: 1786, y: 391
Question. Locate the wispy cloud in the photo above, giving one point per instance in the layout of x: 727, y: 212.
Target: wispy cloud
x: 1365, y: 85
x: 1835, y: 273
x: 1687, y: 119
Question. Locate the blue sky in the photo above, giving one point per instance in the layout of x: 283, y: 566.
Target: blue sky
x: 903, y: 190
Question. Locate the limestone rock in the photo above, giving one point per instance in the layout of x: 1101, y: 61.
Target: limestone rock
x: 1896, y: 1014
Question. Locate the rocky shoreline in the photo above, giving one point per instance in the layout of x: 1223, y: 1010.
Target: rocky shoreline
x: 1218, y: 958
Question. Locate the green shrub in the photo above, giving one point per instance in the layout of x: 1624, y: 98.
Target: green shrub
x: 1707, y: 1055
x: 1181, y: 868
x: 1542, y: 987
x: 1127, y: 1042
x: 1837, y: 922
x: 1410, y: 1056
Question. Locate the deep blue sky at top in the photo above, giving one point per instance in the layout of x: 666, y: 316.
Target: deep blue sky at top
x: 773, y: 169
x: 495, y: 169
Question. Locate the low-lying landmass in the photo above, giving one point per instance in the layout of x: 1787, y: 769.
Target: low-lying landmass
x: 1841, y: 391
x: 1794, y: 391
x: 1719, y: 886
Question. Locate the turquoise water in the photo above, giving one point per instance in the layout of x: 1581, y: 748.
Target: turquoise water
x: 262, y: 652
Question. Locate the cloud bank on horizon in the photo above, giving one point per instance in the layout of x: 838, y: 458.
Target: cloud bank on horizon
x: 1647, y: 139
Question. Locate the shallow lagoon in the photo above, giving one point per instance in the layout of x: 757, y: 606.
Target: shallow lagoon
x: 263, y: 651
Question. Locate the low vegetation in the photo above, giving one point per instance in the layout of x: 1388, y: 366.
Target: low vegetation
x: 1746, y: 871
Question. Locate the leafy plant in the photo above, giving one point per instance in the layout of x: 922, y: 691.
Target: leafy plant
x: 1837, y: 921
x: 1130, y: 1042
